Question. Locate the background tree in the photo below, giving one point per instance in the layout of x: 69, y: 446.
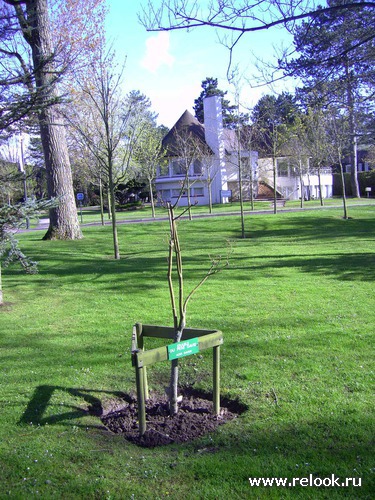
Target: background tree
x: 36, y: 56
x: 210, y: 170
x: 337, y: 57
x: 35, y: 26
x: 35, y: 159
x: 109, y: 124
x: 235, y: 20
x: 98, y: 118
x: 237, y: 161
x: 297, y: 150
x: 10, y: 176
x: 338, y: 131
x: 210, y: 88
x: 247, y: 144
x: 10, y: 182
x: 273, y: 118
x: 317, y: 143
x: 149, y: 155
x: 12, y: 218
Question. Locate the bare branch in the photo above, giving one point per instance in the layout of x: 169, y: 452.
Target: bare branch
x: 169, y: 18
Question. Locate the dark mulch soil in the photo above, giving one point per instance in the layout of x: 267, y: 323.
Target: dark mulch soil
x: 194, y: 419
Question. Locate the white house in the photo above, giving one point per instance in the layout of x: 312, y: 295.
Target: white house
x: 290, y: 184
x: 204, y: 159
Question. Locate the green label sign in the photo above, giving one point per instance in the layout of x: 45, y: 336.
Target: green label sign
x: 183, y: 348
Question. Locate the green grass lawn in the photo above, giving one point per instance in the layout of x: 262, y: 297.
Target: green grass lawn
x: 296, y: 306
x: 92, y: 214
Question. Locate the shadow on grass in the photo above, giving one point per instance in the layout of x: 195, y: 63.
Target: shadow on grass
x: 144, y: 266
x: 342, y: 266
x: 43, y: 394
x: 41, y: 400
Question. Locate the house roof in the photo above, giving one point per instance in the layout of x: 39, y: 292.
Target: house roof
x: 186, y: 126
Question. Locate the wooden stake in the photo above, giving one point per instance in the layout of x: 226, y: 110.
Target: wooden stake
x: 216, y: 381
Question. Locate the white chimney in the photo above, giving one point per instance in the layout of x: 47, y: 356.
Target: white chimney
x: 213, y: 123
x: 214, y: 135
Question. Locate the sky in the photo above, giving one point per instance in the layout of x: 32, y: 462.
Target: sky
x: 169, y: 67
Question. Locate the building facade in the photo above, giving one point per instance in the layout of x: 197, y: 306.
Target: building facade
x: 203, y: 160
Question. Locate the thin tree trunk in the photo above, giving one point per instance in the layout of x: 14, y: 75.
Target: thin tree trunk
x: 343, y: 190
x: 209, y: 187
x: 101, y: 200
x: 240, y: 186
x: 113, y: 209
x: 189, y: 199
x: 174, y: 248
x: 320, y: 187
x: 109, y: 203
x: 251, y: 183
x: 152, y: 199
x: 274, y: 162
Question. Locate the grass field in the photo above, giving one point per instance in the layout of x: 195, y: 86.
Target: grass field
x: 92, y: 214
x: 296, y: 306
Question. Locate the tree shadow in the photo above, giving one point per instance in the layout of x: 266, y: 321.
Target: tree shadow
x: 341, y: 266
x: 41, y: 400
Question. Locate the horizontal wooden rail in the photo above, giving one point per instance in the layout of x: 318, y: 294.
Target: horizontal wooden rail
x: 142, y: 358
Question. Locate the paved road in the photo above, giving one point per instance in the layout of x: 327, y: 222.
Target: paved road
x: 44, y: 223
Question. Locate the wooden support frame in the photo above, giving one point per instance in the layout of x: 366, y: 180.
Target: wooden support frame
x: 142, y: 358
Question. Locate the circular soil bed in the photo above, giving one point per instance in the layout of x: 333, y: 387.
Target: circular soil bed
x: 194, y: 419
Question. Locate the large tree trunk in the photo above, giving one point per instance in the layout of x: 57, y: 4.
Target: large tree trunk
x: 36, y: 28
x: 64, y: 223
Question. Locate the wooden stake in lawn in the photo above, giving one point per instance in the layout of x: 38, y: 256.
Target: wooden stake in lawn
x: 179, y: 305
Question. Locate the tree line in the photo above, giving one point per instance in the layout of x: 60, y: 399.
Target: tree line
x: 64, y: 89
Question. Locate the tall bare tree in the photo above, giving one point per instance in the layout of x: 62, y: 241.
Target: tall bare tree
x: 149, y: 154
x: 98, y: 118
x: 273, y: 118
x: 109, y: 124
x: 338, y: 131
x: 34, y: 23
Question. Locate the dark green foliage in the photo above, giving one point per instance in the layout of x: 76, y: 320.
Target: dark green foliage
x: 230, y: 114
x: 272, y: 116
x: 272, y: 109
x: 136, y: 205
x: 365, y: 179
x: 336, y: 46
x: 337, y: 185
x: 13, y: 218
